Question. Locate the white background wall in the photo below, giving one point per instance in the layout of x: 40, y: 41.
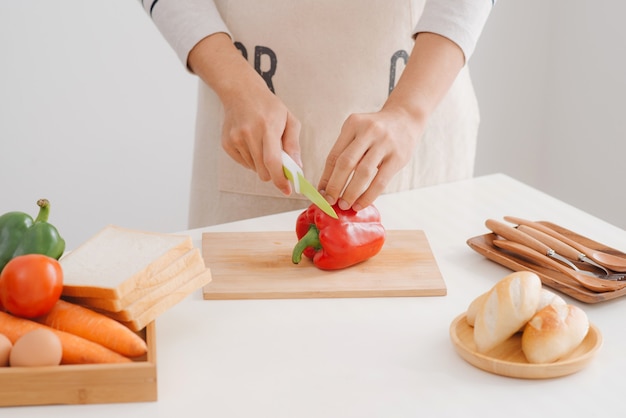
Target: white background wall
x: 97, y: 114
x: 551, y: 83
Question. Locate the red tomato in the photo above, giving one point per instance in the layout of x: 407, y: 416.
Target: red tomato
x: 30, y: 285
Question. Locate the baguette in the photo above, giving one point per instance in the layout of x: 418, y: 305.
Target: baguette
x: 553, y: 332
x: 506, y: 308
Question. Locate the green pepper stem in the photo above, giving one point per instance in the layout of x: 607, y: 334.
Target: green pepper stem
x: 310, y: 239
x: 44, y: 210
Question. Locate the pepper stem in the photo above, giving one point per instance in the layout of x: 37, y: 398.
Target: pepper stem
x: 44, y: 210
x: 310, y: 239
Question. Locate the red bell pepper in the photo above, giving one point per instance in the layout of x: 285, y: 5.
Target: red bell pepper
x: 334, y: 244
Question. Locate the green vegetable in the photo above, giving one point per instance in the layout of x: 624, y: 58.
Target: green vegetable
x: 20, y: 235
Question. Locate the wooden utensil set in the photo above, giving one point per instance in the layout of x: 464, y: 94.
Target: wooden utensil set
x: 569, y: 262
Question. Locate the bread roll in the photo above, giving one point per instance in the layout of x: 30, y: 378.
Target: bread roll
x: 506, y: 308
x: 474, y: 307
x: 549, y: 298
x: 546, y: 298
x: 554, y: 332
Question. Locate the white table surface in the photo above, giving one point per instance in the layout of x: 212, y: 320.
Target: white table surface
x: 373, y: 357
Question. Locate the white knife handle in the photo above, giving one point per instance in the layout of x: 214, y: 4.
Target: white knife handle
x: 294, y: 169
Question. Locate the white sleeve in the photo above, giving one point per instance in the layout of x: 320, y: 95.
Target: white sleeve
x: 461, y: 21
x: 184, y: 23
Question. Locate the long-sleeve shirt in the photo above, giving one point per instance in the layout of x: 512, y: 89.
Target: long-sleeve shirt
x: 324, y: 59
x: 184, y: 23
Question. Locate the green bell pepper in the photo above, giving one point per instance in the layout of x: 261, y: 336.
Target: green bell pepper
x: 20, y: 235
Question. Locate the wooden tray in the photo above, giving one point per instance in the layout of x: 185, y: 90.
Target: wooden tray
x: 83, y: 383
x: 508, y: 359
x: 483, y: 244
x: 257, y: 265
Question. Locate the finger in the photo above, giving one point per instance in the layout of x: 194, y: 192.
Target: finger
x: 375, y: 189
x: 274, y: 163
x: 342, y: 161
x: 258, y: 150
x: 245, y: 143
x: 243, y: 159
x: 363, y: 175
x: 235, y: 143
x: 326, y: 173
x: 290, y: 143
x: 273, y: 152
x: 343, y: 140
x: 291, y: 139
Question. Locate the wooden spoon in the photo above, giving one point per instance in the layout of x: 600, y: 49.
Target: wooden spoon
x: 516, y: 234
x: 610, y: 261
x: 591, y: 283
x: 571, y: 253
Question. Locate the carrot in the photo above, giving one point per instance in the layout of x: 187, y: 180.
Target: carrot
x: 94, y: 326
x: 76, y: 350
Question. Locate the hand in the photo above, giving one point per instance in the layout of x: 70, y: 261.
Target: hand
x: 372, y: 148
x: 257, y: 124
x: 369, y: 151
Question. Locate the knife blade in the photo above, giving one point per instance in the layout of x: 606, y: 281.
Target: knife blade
x: 301, y: 185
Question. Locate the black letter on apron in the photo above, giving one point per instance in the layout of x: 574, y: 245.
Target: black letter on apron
x: 267, y: 75
x: 243, y: 49
x: 392, y: 69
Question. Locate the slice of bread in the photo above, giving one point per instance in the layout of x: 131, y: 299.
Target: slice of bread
x: 116, y: 260
x: 138, y: 308
x: 168, y: 301
x: 168, y: 279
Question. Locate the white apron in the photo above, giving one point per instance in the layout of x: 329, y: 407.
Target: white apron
x: 325, y: 59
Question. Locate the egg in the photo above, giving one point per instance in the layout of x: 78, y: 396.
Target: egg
x: 5, y: 350
x: 40, y: 347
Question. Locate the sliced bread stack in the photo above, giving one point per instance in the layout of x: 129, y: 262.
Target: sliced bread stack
x: 132, y: 276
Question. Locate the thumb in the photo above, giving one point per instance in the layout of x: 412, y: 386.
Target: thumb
x: 291, y: 139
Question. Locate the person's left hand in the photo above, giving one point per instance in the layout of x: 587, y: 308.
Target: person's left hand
x: 373, y: 147
x: 370, y: 150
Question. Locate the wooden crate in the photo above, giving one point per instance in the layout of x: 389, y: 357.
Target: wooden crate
x: 83, y: 384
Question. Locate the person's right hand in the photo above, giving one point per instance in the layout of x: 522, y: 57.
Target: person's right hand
x: 257, y: 124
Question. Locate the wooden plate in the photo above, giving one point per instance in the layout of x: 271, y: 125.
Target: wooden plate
x: 509, y: 360
x: 483, y: 244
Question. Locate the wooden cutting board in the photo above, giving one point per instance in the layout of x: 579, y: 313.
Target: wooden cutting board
x: 257, y: 265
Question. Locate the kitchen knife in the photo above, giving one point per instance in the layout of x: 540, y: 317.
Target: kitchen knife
x: 560, y: 247
x: 609, y: 261
x: 301, y: 185
x: 515, y: 235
